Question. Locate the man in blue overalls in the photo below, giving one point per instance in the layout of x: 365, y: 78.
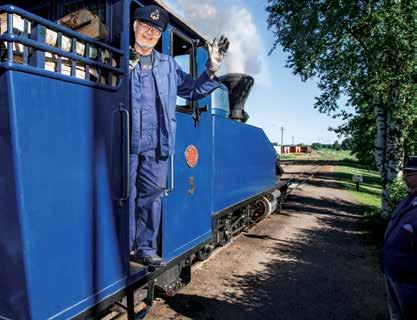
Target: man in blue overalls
x: 156, y: 80
x: 399, y: 253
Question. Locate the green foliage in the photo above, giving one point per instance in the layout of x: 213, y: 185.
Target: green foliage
x: 365, y: 51
x: 359, y: 49
x: 318, y: 146
x: 336, y: 146
x: 398, y: 190
x: 346, y: 144
x: 361, y: 131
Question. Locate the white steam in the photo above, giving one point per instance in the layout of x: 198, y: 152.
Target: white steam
x: 212, y: 18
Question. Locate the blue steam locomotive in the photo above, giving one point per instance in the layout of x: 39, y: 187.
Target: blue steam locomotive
x: 64, y: 169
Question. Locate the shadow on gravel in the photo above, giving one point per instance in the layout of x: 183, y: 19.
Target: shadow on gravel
x: 259, y: 236
x: 199, y: 307
x: 328, y: 272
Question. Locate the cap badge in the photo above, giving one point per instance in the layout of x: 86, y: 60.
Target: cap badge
x: 155, y: 15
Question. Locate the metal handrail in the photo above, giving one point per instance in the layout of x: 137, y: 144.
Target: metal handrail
x: 54, y: 75
x: 45, y: 47
x: 39, y: 44
x: 169, y: 189
x: 57, y: 27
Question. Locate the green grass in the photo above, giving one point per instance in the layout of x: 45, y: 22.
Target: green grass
x: 369, y: 194
x: 289, y: 156
x: 345, y: 167
x: 334, y: 155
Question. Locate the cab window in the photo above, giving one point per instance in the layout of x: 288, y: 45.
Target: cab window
x: 182, y: 51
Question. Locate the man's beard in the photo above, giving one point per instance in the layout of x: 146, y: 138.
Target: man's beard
x: 144, y: 46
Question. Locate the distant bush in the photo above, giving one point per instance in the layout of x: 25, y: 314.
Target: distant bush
x: 398, y: 190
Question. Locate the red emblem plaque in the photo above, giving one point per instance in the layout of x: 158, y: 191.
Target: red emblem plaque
x: 191, y: 156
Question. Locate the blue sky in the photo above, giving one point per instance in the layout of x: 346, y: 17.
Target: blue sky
x: 278, y: 98
x: 288, y: 101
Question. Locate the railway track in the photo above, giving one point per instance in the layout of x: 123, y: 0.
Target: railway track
x: 297, y: 179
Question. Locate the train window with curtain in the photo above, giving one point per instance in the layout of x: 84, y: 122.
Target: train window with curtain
x: 182, y: 51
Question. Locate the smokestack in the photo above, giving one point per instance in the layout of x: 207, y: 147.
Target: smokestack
x: 239, y: 86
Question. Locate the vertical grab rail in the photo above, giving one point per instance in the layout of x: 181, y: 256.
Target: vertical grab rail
x: 170, y: 188
x: 125, y: 174
x: 10, y: 32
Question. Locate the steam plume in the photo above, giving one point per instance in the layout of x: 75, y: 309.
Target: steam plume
x: 212, y: 18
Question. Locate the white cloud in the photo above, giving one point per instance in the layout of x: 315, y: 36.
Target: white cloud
x: 246, y: 53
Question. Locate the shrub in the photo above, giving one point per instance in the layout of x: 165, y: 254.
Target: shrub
x: 398, y: 190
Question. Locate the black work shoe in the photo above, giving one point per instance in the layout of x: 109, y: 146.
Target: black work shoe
x: 151, y: 261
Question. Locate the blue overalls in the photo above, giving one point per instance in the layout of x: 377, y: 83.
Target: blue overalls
x: 153, y: 104
x: 148, y: 170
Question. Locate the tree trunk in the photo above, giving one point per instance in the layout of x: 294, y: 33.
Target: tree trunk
x: 394, y: 156
x: 380, y: 151
x: 388, y: 145
x: 380, y: 136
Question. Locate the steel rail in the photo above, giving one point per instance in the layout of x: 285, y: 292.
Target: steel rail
x: 311, y: 173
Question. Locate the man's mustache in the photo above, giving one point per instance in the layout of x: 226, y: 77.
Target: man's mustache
x: 142, y: 45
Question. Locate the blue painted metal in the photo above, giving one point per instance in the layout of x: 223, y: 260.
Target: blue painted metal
x: 13, y: 299
x: 186, y: 218
x: 63, y: 157
x: 63, y: 164
x: 244, y: 163
x: 53, y: 75
x: 64, y: 243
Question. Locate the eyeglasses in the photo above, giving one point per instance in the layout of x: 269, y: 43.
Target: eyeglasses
x: 149, y: 29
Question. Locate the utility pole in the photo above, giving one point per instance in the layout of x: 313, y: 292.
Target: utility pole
x: 292, y: 140
x: 282, y: 136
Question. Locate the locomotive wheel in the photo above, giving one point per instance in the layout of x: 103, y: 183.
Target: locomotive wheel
x: 204, y: 253
x: 227, y: 237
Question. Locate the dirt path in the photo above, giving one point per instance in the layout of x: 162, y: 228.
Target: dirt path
x: 311, y: 261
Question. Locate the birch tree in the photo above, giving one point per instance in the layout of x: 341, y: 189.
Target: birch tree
x: 363, y: 50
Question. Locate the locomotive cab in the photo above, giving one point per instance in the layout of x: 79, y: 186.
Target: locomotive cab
x: 64, y: 169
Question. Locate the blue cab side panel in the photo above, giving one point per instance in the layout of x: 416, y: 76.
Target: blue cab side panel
x: 186, y: 211
x: 67, y: 243
x: 13, y: 295
x: 244, y: 162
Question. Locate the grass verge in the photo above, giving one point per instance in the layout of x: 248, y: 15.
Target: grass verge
x: 369, y: 194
